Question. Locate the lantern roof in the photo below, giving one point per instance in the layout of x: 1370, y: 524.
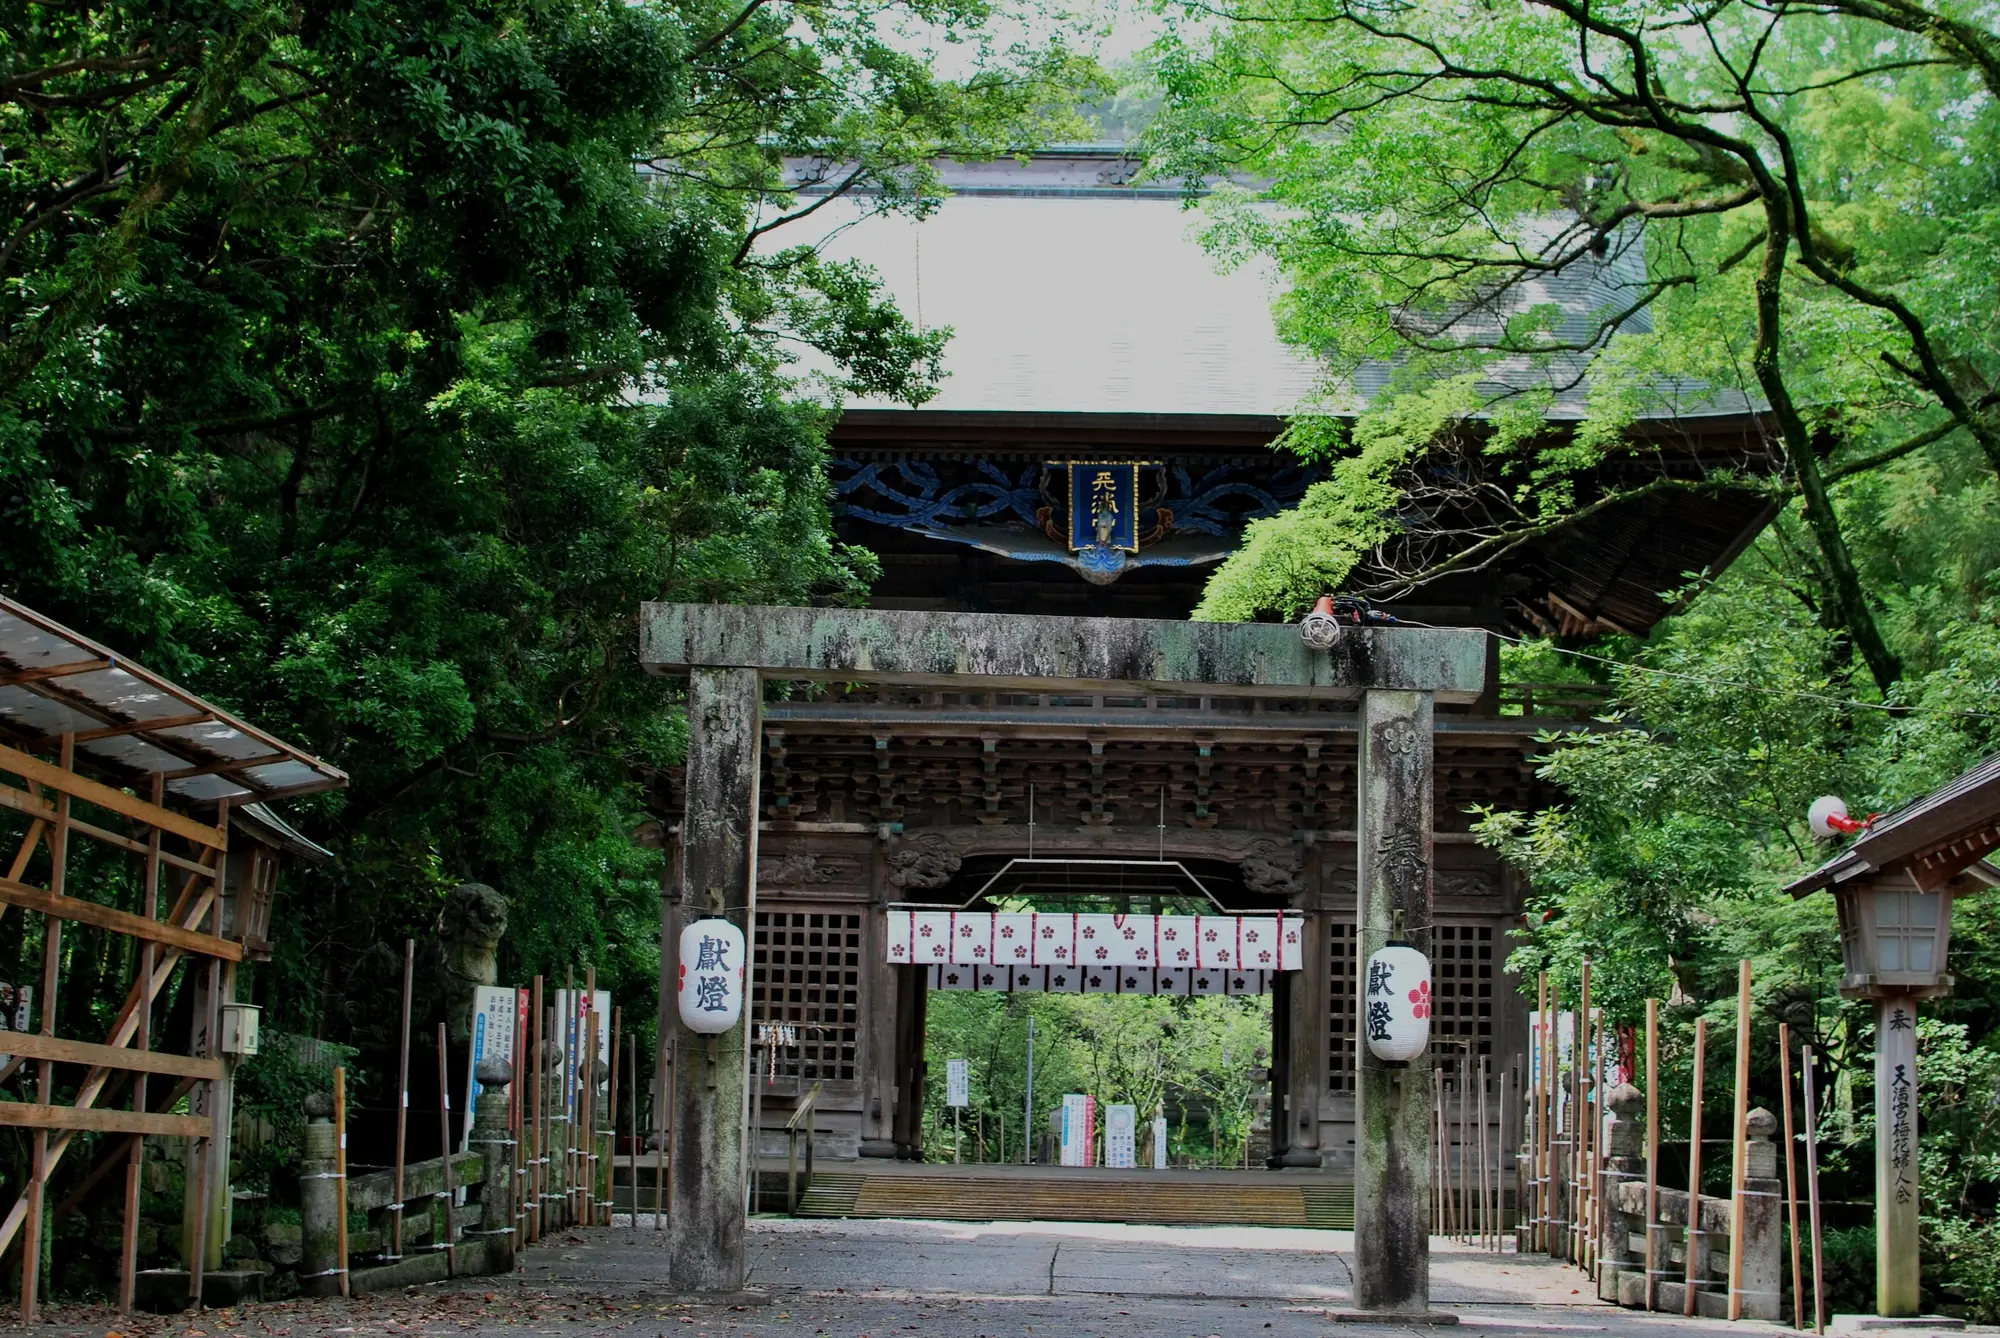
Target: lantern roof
x: 1935, y: 838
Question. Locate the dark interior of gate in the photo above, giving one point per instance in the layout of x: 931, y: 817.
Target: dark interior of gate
x: 897, y: 798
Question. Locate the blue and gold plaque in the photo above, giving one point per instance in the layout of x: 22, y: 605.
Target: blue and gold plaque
x: 1104, y: 506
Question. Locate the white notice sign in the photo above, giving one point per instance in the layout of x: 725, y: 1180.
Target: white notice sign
x: 1159, y: 1142
x: 957, y: 1083
x: 496, y: 1009
x: 1121, y: 1136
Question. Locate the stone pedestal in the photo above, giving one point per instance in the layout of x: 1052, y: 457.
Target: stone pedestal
x: 319, y: 1202
x: 1624, y: 1163
x: 492, y: 1138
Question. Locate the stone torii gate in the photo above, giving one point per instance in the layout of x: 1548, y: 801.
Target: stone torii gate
x: 729, y: 651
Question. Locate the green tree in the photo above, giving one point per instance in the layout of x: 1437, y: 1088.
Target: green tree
x: 1812, y: 191
x: 366, y: 364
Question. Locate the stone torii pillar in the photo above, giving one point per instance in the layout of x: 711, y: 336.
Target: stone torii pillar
x: 727, y: 651
x: 711, y: 1087
x: 1392, y: 1102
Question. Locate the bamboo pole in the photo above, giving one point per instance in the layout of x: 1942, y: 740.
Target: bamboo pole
x: 1791, y: 1172
x: 402, y: 1101
x: 1740, y: 1153
x: 444, y: 1141
x: 1653, y: 1260
x: 1696, y: 1251
x: 340, y: 1172
x: 206, y: 1171
x: 1812, y: 1187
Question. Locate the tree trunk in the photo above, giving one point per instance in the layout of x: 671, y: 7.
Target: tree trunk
x: 1843, y: 582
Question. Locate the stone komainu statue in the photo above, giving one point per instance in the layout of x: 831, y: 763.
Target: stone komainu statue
x: 470, y: 927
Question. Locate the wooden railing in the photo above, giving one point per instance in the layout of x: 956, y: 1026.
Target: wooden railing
x: 1556, y: 701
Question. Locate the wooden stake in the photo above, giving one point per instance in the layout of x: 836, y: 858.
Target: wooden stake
x: 1697, y: 1262
x: 128, y: 1260
x: 1791, y: 1172
x: 611, y: 1096
x: 1653, y: 1260
x: 660, y: 1121
x: 632, y: 1124
x: 519, y: 1127
x: 211, y: 1174
x: 1740, y: 1155
x: 402, y: 1101
x: 1465, y: 1129
x: 1579, y: 1139
x: 1812, y: 1187
x: 340, y: 1170
x: 1485, y: 1173
x: 1544, y: 1115
x: 537, y: 1119
x: 444, y: 1137
x: 586, y: 1118
x: 1599, y: 1091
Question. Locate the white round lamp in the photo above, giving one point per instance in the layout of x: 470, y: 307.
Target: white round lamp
x: 711, y: 976
x: 1396, y: 1003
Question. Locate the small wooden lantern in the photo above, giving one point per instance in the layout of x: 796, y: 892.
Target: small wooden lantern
x: 1894, y: 937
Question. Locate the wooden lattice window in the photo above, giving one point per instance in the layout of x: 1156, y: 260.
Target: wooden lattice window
x: 1461, y: 984
x: 1462, y: 987
x: 809, y: 975
x: 1343, y: 975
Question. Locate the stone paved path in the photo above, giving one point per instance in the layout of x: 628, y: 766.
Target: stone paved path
x: 885, y: 1279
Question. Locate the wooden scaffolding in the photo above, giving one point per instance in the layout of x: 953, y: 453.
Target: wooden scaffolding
x: 96, y: 747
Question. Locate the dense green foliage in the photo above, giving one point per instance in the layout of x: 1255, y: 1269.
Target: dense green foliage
x: 1188, y: 1059
x: 1814, y: 192
x: 365, y: 363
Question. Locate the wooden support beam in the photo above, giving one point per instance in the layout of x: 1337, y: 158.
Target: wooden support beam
x: 53, y: 671
x: 32, y: 1045
x: 145, y: 726
x: 34, y: 1115
x: 33, y: 768
x: 120, y: 922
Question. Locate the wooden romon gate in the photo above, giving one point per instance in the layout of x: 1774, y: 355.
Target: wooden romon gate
x: 1391, y: 677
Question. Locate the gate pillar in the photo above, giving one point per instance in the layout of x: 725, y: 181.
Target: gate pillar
x: 1392, y: 1102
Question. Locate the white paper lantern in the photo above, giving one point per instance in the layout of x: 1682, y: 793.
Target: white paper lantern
x: 711, y: 976
x: 1396, y: 1003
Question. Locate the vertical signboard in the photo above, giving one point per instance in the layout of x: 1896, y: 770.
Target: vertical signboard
x: 496, y: 1013
x: 1159, y: 1142
x: 957, y: 1083
x: 1121, y: 1136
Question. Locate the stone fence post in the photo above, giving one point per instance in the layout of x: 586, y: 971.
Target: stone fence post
x: 1624, y: 1163
x: 319, y: 1202
x: 491, y: 1136
x: 1763, y: 1235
